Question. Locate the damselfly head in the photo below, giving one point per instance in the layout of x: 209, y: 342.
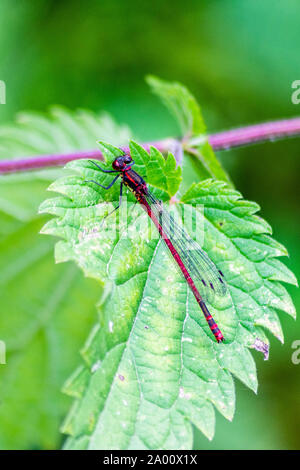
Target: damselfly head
x: 121, y: 162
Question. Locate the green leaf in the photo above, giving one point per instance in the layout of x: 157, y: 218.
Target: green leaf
x: 187, y: 112
x: 152, y: 362
x: 162, y: 172
x: 46, y: 310
x: 181, y: 103
x: 205, y: 155
x: 46, y: 314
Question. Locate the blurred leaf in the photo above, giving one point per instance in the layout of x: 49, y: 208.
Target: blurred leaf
x: 46, y: 310
x: 207, y: 160
x: 152, y: 362
x: 181, y: 103
x: 46, y: 313
x: 187, y: 112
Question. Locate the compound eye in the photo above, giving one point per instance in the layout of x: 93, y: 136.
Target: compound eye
x: 116, y: 165
x: 127, y: 159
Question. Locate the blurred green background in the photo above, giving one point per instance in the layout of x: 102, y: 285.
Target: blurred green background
x: 239, y: 58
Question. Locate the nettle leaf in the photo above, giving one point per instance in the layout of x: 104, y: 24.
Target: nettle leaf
x: 151, y: 366
x: 162, y: 172
x: 46, y: 310
x: 210, y: 166
x: 186, y: 110
x: 181, y: 103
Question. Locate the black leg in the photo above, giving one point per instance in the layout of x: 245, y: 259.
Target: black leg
x: 104, y: 187
x: 99, y: 167
x: 121, y: 193
x: 116, y: 208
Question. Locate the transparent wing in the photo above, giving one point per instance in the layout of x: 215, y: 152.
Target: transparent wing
x: 208, y: 279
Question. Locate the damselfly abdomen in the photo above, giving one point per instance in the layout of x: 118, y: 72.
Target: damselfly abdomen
x: 199, y: 271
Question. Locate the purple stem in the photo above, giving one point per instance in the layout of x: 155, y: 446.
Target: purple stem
x: 219, y: 141
x: 256, y: 133
x: 57, y: 159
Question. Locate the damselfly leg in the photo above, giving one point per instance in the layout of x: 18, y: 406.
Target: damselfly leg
x: 108, y: 187
x: 117, y: 207
x: 104, y: 187
x: 102, y: 169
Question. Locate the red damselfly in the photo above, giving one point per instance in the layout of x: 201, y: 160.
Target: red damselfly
x: 198, y: 269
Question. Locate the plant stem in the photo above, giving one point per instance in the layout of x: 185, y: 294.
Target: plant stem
x: 256, y: 133
x: 58, y: 159
x: 220, y: 141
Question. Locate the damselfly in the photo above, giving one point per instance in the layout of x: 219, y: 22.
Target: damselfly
x: 198, y: 269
